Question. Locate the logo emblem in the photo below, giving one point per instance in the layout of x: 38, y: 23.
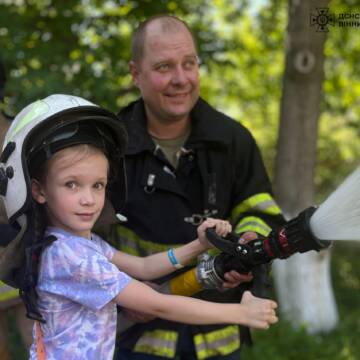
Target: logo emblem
x: 322, y: 19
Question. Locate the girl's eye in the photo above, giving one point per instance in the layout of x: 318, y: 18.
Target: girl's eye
x: 99, y: 186
x: 70, y: 184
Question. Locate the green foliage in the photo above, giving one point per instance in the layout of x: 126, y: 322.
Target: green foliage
x: 80, y: 47
x: 245, y: 79
x: 83, y: 48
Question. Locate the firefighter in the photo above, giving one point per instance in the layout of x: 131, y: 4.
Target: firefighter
x: 185, y: 161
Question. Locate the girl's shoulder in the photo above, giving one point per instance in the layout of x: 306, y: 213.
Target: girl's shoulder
x: 71, y: 246
x: 103, y: 246
x: 64, y: 250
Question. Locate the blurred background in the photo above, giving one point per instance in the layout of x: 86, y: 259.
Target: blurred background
x: 287, y: 70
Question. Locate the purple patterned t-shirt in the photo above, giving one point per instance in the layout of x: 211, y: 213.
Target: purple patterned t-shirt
x: 76, y: 286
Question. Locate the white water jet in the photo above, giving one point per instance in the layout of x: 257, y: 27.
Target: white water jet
x: 338, y: 217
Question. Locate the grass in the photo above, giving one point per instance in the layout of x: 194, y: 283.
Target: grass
x: 282, y: 342
x: 17, y: 350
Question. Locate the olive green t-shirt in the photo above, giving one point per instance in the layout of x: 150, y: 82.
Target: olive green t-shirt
x: 172, y: 147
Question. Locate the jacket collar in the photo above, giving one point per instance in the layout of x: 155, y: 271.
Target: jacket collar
x: 207, y: 127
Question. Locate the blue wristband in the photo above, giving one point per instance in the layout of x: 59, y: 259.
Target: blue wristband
x: 173, y: 259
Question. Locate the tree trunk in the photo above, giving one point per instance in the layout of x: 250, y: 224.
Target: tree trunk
x: 302, y: 282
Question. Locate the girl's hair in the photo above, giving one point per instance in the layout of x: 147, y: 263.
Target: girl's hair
x: 83, y: 136
x: 79, y: 152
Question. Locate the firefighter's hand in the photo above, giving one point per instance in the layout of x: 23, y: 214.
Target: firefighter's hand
x: 234, y: 279
x: 248, y: 236
x: 222, y: 228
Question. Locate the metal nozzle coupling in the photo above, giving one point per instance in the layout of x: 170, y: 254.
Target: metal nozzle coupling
x: 206, y: 274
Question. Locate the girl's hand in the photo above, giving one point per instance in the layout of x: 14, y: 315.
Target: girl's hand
x: 222, y: 228
x: 260, y: 313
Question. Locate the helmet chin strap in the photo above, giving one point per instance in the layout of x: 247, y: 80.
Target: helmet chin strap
x: 29, y: 275
x: 12, y: 256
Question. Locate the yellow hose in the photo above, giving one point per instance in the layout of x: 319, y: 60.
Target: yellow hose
x: 185, y: 284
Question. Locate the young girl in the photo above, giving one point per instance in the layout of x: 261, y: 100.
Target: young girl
x: 81, y: 277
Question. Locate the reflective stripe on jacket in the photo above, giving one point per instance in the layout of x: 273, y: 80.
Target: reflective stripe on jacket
x: 7, y: 292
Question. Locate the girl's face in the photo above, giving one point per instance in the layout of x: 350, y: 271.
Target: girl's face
x: 73, y: 189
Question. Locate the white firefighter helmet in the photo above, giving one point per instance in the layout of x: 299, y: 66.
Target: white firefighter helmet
x: 44, y: 127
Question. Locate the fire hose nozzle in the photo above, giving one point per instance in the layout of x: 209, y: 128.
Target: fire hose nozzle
x: 295, y: 236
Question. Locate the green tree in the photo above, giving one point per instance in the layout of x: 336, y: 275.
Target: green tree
x: 81, y: 47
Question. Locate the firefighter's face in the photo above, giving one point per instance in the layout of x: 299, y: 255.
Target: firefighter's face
x: 168, y: 74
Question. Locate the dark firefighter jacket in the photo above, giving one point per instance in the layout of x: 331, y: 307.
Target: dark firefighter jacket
x: 221, y: 174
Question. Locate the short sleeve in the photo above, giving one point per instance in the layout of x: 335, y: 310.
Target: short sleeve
x: 106, y: 248
x: 82, y: 274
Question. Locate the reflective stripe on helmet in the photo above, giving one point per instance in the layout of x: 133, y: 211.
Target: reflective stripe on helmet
x: 39, y: 108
